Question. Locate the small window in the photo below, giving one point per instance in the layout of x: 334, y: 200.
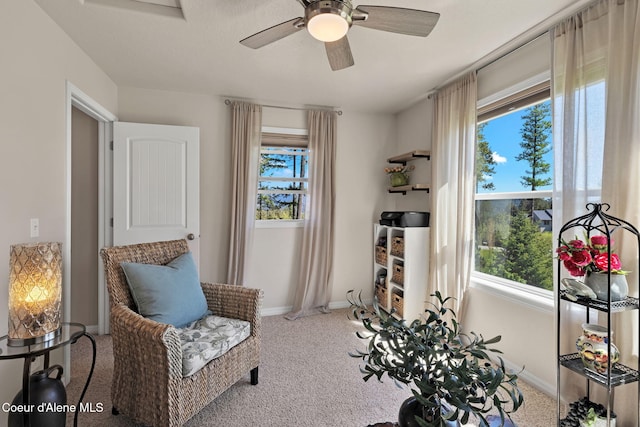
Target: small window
x: 514, y: 173
x: 283, y: 178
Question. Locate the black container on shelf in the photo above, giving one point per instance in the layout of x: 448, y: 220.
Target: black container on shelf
x: 404, y: 219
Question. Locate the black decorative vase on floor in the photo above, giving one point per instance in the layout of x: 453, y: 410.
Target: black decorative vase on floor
x: 46, y: 397
x: 409, y: 409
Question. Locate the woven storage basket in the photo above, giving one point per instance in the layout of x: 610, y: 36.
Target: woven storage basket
x: 397, y: 302
x: 381, y: 255
x: 398, y: 273
x: 381, y: 294
x: 397, y: 246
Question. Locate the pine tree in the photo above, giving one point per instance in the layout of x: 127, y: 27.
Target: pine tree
x: 528, y: 257
x: 268, y: 204
x: 535, y: 131
x: 485, y: 163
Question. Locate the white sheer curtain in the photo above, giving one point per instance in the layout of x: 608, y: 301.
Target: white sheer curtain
x: 453, y: 182
x: 596, y: 101
x: 316, y: 261
x: 246, y: 129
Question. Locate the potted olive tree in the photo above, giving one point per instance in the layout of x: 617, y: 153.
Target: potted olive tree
x: 450, y: 373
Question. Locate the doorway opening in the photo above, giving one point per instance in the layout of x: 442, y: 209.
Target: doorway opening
x: 84, y: 220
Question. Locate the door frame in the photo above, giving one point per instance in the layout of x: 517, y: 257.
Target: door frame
x: 83, y: 102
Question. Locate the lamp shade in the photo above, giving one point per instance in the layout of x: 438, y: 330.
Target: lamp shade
x: 35, y: 292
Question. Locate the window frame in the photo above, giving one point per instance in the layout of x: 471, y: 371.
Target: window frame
x: 285, y: 138
x: 492, y: 107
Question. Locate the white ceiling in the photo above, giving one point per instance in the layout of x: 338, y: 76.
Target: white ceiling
x: 146, y: 45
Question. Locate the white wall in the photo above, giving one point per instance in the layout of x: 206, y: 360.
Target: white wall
x: 37, y: 58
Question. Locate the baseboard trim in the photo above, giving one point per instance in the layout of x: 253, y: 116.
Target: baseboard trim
x: 278, y: 311
x: 275, y: 311
x: 532, y: 380
x: 92, y: 329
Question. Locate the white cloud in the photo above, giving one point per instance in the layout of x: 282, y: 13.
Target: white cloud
x: 487, y: 177
x: 498, y: 158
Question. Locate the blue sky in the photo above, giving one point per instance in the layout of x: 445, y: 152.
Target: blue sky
x: 503, y: 135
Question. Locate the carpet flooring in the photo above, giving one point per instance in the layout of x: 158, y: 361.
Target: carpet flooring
x: 306, y: 379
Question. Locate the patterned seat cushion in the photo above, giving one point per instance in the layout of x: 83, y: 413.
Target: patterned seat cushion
x: 209, y: 338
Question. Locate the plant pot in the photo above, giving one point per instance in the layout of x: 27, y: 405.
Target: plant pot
x: 599, y: 283
x: 410, y: 408
x: 398, y: 179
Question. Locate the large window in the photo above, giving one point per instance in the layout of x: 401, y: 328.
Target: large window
x: 514, y: 172
x: 283, y: 178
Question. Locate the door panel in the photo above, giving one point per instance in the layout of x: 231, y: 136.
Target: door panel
x: 156, y: 184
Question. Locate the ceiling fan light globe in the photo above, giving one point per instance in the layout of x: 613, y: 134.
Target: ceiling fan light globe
x: 327, y: 27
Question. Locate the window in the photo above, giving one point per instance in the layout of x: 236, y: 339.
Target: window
x: 283, y: 176
x: 514, y: 172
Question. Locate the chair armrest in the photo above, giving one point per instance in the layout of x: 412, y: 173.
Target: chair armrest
x: 155, y: 344
x: 236, y: 302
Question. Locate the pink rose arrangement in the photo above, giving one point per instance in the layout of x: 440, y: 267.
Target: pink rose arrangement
x: 580, y: 258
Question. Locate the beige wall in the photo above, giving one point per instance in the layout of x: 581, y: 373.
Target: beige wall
x: 414, y: 133
x: 84, y: 219
x: 364, y: 141
x: 210, y: 115
x: 37, y: 59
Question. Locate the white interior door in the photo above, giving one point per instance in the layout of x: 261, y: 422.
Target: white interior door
x: 156, y: 181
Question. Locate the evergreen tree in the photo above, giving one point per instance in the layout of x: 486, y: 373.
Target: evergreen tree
x: 535, y: 131
x: 268, y: 204
x: 485, y: 163
x: 528, y: 253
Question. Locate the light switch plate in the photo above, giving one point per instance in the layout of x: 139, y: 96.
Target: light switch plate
x: 35, y: 227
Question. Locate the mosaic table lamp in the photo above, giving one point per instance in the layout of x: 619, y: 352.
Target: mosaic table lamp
x: 35, y: 291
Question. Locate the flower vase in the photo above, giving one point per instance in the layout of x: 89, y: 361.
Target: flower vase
x: 398, y: 179
x: 599, y: 283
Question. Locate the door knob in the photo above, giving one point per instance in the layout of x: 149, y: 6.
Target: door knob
x: 191, y: 236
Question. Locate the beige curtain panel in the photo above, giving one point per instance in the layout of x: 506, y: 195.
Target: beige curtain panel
x: 453, y: 178
x: 316, y: 261
x: 246, y: 128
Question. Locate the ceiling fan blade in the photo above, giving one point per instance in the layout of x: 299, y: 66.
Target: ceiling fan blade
x: 339, y: 54
x: 396, y: 19
x: 274, y: 33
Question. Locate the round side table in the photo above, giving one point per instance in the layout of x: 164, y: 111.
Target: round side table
x: 69, y: 334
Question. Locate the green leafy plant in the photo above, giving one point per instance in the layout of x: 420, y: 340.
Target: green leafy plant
x: 450, y: 373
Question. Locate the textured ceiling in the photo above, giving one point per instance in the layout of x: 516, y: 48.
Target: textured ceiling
x: 196, y: 48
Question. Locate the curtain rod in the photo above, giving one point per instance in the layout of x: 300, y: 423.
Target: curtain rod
x: 339, y: 112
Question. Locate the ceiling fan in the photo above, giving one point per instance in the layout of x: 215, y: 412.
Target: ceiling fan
x: 329, y: 21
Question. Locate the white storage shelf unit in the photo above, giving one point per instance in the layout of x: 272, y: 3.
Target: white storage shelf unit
x: 401, y: 276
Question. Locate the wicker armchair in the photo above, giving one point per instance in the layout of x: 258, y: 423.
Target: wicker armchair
x: 147, y: 375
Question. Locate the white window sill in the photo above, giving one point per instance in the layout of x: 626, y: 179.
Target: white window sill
x: 533, y: 297
x: 279, y: 223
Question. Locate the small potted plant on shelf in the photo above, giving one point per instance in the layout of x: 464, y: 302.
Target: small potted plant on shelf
x: 451, y: 375
x: 399, y: 175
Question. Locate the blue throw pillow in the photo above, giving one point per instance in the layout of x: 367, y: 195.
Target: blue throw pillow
x: 167, y: 293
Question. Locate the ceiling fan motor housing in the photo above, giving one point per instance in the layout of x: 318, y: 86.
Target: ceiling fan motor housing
x: 344, y: 9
